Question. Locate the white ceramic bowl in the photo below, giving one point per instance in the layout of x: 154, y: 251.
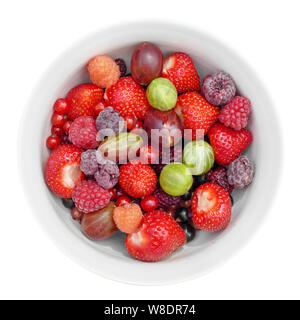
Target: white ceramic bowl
x: 109, y: 257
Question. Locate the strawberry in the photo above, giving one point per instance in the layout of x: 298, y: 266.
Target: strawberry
x: 158, y: 236
x: 63, y: 172
x: 137, y: 179
x: 180, y: 70
x: 196, y: 113
x: 127, y: 97
x: 211, y: 207
x: 82, y: 100
x: 228, y: 143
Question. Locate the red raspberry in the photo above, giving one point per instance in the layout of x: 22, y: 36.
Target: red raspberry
x: 104, y: 72
x: 128, y: 217
x: 89, y: 196
x: 235, y: 113
x: 82, y: 133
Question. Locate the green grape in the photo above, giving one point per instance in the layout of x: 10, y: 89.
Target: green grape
x: 198, y: 156
x: 162, y: 94
x: 176, y: 179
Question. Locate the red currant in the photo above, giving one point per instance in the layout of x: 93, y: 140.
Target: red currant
x: 148, y: 155
x: 99, y: 107
x: 139, y: 124
x: 58, y: 120
x: 149, y: 203
x: 52, y: 141
x: 123, y: 200
x: 61, y: 106
x: 57, y: 130
x: 67, y: 126
x: 129, y: 122
x: 112, y: 193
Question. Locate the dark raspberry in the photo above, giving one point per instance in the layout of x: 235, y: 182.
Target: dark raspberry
x: 218, y: 88
x: 240, y: 172
x: 165, y: 200
x: 88, y: 163
x: 107, y: 175
x: 122, y: 66
x: 108, y: 123
x: 83, y: 132
x: 235, y: 114
x: 219, y: 176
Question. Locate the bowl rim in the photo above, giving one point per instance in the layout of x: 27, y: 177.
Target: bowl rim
x: 67, y: 247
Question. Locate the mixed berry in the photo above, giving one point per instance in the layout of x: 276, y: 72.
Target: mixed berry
x: 153, y: 154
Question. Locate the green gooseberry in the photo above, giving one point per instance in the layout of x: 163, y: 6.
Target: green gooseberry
x: 198, y: 156
x: 162, y: 94
x: 176, y: 179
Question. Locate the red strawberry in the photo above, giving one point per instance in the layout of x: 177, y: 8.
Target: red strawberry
x: 63, y: 172
x: 196, y: 113
x: 137, y: 179
x: 128, y: 97
x: 180, y: 70
x: 82, y: 100
x: 211, y: 207
x: 159, y: 236
x: 228, y: 143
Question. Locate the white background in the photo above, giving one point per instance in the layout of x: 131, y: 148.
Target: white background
x: 264, y: 33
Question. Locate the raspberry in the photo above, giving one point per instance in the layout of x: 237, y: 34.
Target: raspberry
x: 240, y: 172
x: 109, y: 122
x: 218, y: 88
x: 89, y: 164
x: 108, y: 175
x: 219, y: 176
x: 104, y: 72
x: 83, y: 133
x: 89, y: 196
x: 122, y: 66
x: 165, y: 200
x: 235, y: 113
x: 128, y: 217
